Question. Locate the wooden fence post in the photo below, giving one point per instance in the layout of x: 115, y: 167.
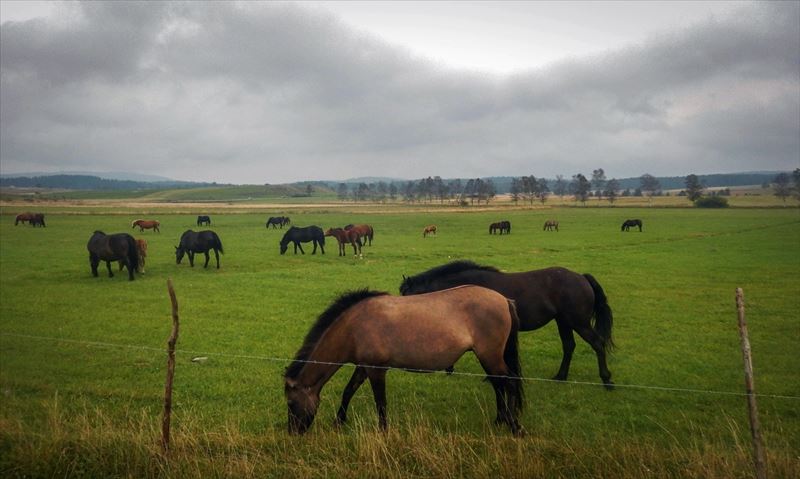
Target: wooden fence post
x: 173, y: 338
x: 755, y: 425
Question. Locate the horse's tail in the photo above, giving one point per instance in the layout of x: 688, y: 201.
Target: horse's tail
x: 511, y: 358
x: 133, y: 256
x: 219, y: 243
x: 603, y: 319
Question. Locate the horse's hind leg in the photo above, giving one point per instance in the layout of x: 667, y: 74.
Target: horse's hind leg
x: 108, y: 265
x: 216, y: 254
x: 207, y: 258
x: 596, y: 342
x: 568, y: 346
x: 377, y: 379
x: 356, y: 380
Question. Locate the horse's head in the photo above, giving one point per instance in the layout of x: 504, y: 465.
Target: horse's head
x: 285, y: 246
x: 302, y: 404
x: 329, y: 232
x: 179, y: 252
x: 409, y: 286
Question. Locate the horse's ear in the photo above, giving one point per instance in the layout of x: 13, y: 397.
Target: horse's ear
x: 404, y: 277
x: 291, y: 383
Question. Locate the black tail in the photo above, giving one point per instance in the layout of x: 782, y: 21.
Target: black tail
x: 511, y: 358
x: 133, y: 257
x: 603, y: 319
x: 219, y: 244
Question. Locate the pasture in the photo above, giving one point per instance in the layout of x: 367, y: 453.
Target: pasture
x: 82, y: 364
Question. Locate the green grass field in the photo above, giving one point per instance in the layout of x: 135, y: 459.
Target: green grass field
x: 81, y: 374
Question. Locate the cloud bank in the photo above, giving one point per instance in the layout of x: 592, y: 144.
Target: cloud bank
x: 267, y: 92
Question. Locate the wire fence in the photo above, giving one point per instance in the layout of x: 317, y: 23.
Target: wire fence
x: 454, y: 373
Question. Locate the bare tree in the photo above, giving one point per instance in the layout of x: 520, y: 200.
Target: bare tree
x: 781, y: 186
x: 599, y: 181
x: 580, y: 187
x: 612, y: 190
x: 649, y: 186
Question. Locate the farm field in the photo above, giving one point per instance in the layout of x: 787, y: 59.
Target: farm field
x: 82, y: 364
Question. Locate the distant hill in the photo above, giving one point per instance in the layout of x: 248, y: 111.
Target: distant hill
x: 107, y: 175
x: 88, y: 182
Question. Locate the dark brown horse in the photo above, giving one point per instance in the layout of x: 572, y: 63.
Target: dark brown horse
x: 198, y: 242
x: 501, y: 226
x: 23, y: 218
x: 146, y: 225
x: 117, y: 247
x: 38, y: 220
x: 429, y: 229
x: 344, y: 237
x: 363, y: 231
x: 549, y: 225
x: 422, y: 333
x: 628, y: 224
x: 572, y: 299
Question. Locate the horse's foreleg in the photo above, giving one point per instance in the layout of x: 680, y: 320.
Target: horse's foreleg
x: 377, y: 379
x: 568, y: 346
x: 108, y: 266
x: 93, y: 263
x: 298, y: 245
x: 191, y: 258
x: 356, y: 380
x: 596, y: 342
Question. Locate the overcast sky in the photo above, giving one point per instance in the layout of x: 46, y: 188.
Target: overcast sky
x: 279, y: 92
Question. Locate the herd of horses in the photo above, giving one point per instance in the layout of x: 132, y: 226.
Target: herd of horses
x: 441, y: 314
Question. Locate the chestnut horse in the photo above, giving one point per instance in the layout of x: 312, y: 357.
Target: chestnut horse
x: 363, y: 231
x: 549, y: 225
x: 146, y: 225
x: 141, y: 248
x: 344, y: 237
x: 429, y: 229
x: 423, y: 333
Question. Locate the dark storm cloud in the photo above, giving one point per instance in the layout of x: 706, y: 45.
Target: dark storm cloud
x: 274, y: 92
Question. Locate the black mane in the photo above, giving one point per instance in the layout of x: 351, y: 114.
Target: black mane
x: 324, y: 321
x: 445, y: 270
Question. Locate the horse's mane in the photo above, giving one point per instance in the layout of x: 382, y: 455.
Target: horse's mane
x: 450, y: 268
x: 98, y: 231
x: 324, y: 321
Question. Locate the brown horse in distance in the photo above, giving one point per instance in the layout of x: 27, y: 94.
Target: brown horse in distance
x: 549, y: 225
x: 363, y: 231
x: 24, y: 218
x: 146, y: 224
x: 344, y: 237
x: 429, y: 229
x: 421, y: 333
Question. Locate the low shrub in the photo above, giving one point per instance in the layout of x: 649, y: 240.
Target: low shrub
x: 711, y: 202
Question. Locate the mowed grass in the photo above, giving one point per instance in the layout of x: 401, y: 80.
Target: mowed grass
x: 82, y: 364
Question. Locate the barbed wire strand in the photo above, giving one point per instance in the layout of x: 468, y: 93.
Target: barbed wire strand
x: 433, y: 371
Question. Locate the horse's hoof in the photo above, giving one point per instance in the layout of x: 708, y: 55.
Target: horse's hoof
x: 519, y: 431
x: 609, y: 385
x: 559, y: 377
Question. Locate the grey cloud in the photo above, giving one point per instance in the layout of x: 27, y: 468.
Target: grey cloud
x: 278, y: 93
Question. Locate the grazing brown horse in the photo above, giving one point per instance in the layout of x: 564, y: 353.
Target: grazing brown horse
x: 574, y: 300
x: 429, y: 229
x: 363, y: 231
x: 141, y: 248
x: 146, y: 225
x: 549, y: 225
x: 344, y: 237
x: 24, y: 217
x: 502, y: 226
x: 423, y: 333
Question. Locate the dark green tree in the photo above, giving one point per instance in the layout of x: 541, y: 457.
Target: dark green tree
x: 612, y: 190
x: 580, y: 187
x: 694, y: 189
x: 781, y: 186
x: 599, y: 181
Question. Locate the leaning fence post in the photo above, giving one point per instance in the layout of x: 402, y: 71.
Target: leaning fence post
x: 173, y: 338
x: 755, y: 425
